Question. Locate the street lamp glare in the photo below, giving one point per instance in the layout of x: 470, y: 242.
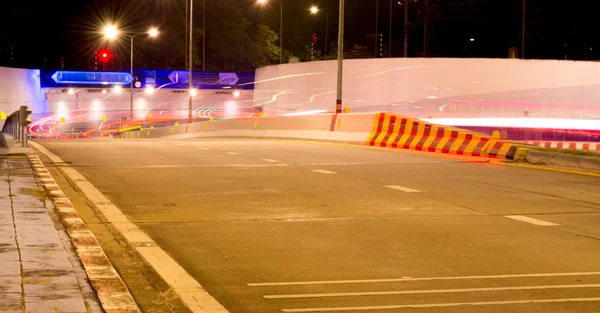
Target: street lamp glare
x: 236, y: 93
x: 149, y: 90
x: 110, y: 32
x: 314, y: 9
x: 118, y: 89
x: 262, y: 1
x: 193, y: 92
x: 71, y: 91
x: 153, y: 32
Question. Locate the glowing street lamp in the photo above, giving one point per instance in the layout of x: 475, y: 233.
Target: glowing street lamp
x: 149, y: 90
x: 315, y: 10
x: 153, y: 32
x: 237, y: 93
x: 264, y: 2
x: 193, y: 92
x: 117, y: 89
x: 111, y: 33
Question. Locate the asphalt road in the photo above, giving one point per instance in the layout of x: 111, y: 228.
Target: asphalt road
x: 405, y: 228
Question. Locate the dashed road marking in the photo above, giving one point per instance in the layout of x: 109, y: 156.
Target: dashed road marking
x: 530, y: 220
x: 232, y: 153
x: 271, y: 160
x: 326, y: 172
x: 202, y: 148
x: 400, y: 188
x: 414, y: 292
x: 406, y: 279
x: 439, y: 305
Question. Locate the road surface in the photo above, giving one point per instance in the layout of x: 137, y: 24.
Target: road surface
x: 267, y: 226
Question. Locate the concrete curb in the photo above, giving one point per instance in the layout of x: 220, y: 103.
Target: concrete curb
x: 560, y: 159
x: 112, y: 291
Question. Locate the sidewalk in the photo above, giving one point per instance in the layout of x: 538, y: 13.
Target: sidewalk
x: 39, y: 270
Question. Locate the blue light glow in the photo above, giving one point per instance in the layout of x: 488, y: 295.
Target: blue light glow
x: 91, y: 78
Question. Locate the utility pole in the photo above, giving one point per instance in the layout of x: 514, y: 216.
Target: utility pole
x: 204, y: 35
x: 280, y: 31
x: 426, y: 30
x: 340, y: 52
x: 187, y: 13
x: 376, y: 26
x: 406, y: 28
x: 390, y: 40
x: 523, y: 34
x: 191, y: 60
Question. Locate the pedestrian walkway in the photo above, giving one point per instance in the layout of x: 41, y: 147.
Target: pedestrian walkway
x: 39, y: 271
x: 9, y: 145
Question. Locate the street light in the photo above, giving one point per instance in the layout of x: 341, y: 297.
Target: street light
x: 405, y: 3
x: 314, y: 10
x: 111, y: 32
x: 262, y: 2
x: 340, y: 52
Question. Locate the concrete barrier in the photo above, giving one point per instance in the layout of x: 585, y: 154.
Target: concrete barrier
x: 396, y: 131
x: 352, y: 128
x: 375, y: 129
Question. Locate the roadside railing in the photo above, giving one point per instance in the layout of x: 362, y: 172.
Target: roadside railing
x: 16, y: 124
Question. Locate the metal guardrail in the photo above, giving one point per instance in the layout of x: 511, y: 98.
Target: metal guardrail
x: 16, y: 124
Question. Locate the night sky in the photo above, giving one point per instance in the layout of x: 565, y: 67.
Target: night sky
x: 38, y: 33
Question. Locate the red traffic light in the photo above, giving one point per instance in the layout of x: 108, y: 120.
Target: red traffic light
x: 104, y: 55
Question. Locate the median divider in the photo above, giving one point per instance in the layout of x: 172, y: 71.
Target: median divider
x: 374, y: 129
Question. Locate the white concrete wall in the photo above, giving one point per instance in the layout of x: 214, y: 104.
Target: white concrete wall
x: 93, y: 105
x: 20, y: 87
x: 436, y: 87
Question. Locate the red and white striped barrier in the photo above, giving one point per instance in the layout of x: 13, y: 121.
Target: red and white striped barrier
x: 593, y: 146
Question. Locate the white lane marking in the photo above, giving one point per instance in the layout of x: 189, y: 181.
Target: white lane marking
x: 193, y: 295
x: 412, y: 292
x: 326, y: 172
x: 202, y: 148
x: 271, y: 160
x: 232, y: 153
x: 440, y: 305
x: 403, y: 279
x: 530, y: 220
x: 400, y: 188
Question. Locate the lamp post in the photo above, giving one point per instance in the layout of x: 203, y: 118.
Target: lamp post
x: 315, y: 10
x: 523, y: 31
x: 262, y: 2
x: 111, y: 32
x: 340, y: 52
x: 190, y: 82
